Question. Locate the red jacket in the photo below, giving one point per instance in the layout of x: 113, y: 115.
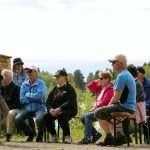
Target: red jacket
x: 107, y: 95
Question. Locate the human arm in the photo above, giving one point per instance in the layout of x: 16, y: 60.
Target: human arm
x: 94, y: 86
x: 37, y: 92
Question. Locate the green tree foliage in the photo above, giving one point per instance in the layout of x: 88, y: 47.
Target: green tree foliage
x: 147, y: 70
x: 96, y: 74
x: 90, y: 77
x: 85, y: 101
x: 49, y: 80
x: 79, y: 80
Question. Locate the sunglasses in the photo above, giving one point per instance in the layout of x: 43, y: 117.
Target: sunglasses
x: 30, y: 71
x: 101, y: 78
x: 113, y: 62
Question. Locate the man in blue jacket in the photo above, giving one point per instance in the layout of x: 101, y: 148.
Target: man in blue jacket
x: 33, y: 99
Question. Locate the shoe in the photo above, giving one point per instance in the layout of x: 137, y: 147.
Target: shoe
x: 8, y: 137
x: 96, y: 137
x: 39, y: 139
x: 120, y: 140
x: 68, y: 139
x: 55, y: 139
x: 86, y: 140
x: 30, y: 137
x: 107, y: 141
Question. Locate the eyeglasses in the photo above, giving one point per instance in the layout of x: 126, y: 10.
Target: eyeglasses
x: 30, y: 71
x: 101, y: 78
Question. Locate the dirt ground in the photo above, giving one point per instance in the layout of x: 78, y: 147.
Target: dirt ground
x: 50, y: 146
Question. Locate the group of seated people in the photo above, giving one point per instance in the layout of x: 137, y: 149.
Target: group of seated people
x: 25, y: 96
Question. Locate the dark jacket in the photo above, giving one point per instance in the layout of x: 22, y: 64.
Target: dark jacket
x: 146, y: 85
x: 65, y: 98
x: 11, y: 95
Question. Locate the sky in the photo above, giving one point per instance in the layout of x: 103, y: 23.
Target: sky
x: 75, y: 34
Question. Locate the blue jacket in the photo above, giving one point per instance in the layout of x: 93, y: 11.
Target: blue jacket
x: 146, y: 85
x: 33, y: 98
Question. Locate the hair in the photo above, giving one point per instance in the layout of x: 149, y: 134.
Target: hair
x: 7, y: 72
x: 133, y: 70
x: 106, y: 75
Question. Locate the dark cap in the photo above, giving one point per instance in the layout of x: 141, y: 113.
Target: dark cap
x: 17, y: 61
x: 141, y: 69
x: 61, y: 72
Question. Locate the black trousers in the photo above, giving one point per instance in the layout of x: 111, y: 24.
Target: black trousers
x: 63, y: 119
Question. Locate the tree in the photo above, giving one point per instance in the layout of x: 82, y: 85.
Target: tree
x: 79, y: 80
x: 90, y: 77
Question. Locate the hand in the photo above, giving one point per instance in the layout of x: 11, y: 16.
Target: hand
x: 51, y: 111
x: 55, y: 112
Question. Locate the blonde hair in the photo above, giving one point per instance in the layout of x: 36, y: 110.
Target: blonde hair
x: 106, y: 75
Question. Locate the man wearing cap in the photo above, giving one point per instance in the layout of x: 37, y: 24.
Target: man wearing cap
x: 61, y: 105
x: 19, y: 76
x: 124, y: 99
x: 32, y: 97
x: 146, y: 84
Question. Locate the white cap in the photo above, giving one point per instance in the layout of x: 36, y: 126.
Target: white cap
x: 120, y: 57
x: 31, y: 68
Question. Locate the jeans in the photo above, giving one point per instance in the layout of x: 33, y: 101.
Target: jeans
x: 87, y: 119
x: 25, y: 114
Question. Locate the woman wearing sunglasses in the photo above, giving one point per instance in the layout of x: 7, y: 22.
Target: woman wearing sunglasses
x: 103, y: 89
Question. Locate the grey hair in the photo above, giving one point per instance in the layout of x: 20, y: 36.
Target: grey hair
x: 7, y: 72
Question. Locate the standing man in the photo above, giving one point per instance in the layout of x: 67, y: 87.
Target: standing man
x: 146, y: 84
x: 32, y: 97
x: 61, y: 105
x: 124, y: 99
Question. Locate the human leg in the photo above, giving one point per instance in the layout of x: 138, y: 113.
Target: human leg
x: 10, y: 122
x: 49, y: 123
x: 40, y: 124
x: 21, y: 125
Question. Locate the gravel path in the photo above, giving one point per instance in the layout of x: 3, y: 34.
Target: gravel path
x: 49, y: 146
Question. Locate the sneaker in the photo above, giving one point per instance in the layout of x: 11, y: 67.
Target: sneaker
x: 96, y: 137
x: 54, y: 139
x: 107, y: 141
x: 86, y: 140
x: 39, y: 139
x: 30, y: 137
x: 8, y: 137
x: 68, y: 139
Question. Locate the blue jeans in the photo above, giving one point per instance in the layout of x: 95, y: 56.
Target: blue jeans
x: 25, y: 114
x: 87, y: 119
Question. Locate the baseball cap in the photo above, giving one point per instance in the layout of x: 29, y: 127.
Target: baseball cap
x: 120, y: 57
x: 141, y: 70
x: 61, y: 72
x: 31, y: 68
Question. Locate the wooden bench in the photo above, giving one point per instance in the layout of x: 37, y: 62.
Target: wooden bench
x: 120, y: 116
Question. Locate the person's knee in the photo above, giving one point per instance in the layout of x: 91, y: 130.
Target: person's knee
x: 46, y: 116
x: 18, y: 118
x: 11, y: 114
x: 99, y: 114
x: 82, y: 118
